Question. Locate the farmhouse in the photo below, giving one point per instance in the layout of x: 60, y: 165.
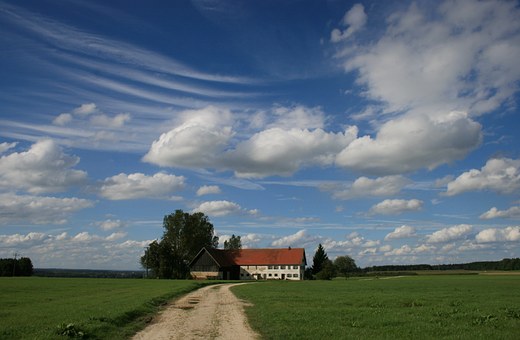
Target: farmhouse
x: 249, y: 264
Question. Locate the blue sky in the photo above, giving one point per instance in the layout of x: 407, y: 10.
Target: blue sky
x: 387, y: 131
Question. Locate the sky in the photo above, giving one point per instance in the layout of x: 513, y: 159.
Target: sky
x: 384, y: 130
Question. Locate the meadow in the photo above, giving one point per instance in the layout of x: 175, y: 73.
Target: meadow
x: 40, y: 308
x: 439, y: 306
x: 413, y: 307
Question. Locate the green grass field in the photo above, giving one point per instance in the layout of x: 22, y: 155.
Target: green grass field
x: 33, y: 308
x: 418, y: 307
x: 415, y: 307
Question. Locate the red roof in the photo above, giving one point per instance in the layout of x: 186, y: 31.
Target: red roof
x: 258, y: 257
x: 287, y: 256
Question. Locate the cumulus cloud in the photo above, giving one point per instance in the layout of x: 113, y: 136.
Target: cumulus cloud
x: 111, y: 224
x: 16, y: 240
x: 39, y: 210
x: 513, y: 212
x: 222, y: 208
x: 42, y: 168
x: 499, y: 174
x: 62, y: 119
x: 449, y: 234
x: 85, y: 109
x: 403, y: 231
x: 6, y: 146
x: 355, y: 19
x: 460, y: 58
x: 509, y: 234
x: 282, y: 152
x: 196, y: 142
x: 411, y: 142
x: 297, y: 116
x: 112, y: 122
x: 138, y: 185
x: 208, y: 190
x: 297, y: 239
x: 81, y: 250
x: 365, y: 187
x: 396, y: 206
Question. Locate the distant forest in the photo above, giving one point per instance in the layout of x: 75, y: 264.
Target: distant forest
x: 24, y: 267
x: 505, y: 264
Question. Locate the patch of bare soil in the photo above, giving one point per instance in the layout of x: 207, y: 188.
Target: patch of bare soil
x: 212, y: 312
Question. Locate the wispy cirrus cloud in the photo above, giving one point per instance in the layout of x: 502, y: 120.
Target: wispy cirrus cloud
x: 69, y: 38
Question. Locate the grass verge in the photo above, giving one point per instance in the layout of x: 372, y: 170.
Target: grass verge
x: 43, y: 308
x: 419, y: 307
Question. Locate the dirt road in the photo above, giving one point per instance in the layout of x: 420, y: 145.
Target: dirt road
x: 212, y: 312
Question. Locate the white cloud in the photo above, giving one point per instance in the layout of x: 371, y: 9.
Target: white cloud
x: 403, y: 231
x: 282, y: 152
x: 355, y: 19
x: 197, y: 142
x: 513, y: 212
x: 396, y: 206
x: 111, y: 224
x: 62, y: 119
x: 43, y: 168
x: 222, y: 208
x: 39, y: 210
x: 403, y: 250
x: 82, y: 250
x: 6, y: 146
x: 17, y: 240
x: 208, y: 190
x: 499, y: 174
x: 115, y: 236
x: 412, y: 142
x: 509, y: 234
x: 364, y: 186
x: 449, y: 234
x: 297, y: 239
x: 461, y: 58
x: 138, y: 185
x: 299, y: 116
x: 111, y: 122
x: 85, y: 109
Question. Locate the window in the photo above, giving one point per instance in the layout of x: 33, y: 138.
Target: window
x: 275, y: 274
x: 289, y: 275
x: 296, y: 267
x: 270, y: 267
x: 295, y: 275
x: 247, y: 274
x: 270, y: 274
x: 275, y: 267
x: 282, y: 267
x: 241, y: 274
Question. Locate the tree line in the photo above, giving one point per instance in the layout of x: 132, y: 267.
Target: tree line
x: 504, y: 264
x: 324, y: 269
x: 16, y: 267
x: 186, y: 234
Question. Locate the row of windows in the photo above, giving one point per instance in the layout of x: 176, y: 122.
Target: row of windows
x: 283, y: 267
x: 276, y: 267
x: 271, y: 275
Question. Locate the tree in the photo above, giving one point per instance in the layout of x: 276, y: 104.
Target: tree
x: 184, y: 236
x: 328, y: 272
x: 345, y: 265
x: 318, y: 261
x: 234, y: 243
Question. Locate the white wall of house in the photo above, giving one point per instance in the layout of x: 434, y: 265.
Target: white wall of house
x: 275, y: 272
